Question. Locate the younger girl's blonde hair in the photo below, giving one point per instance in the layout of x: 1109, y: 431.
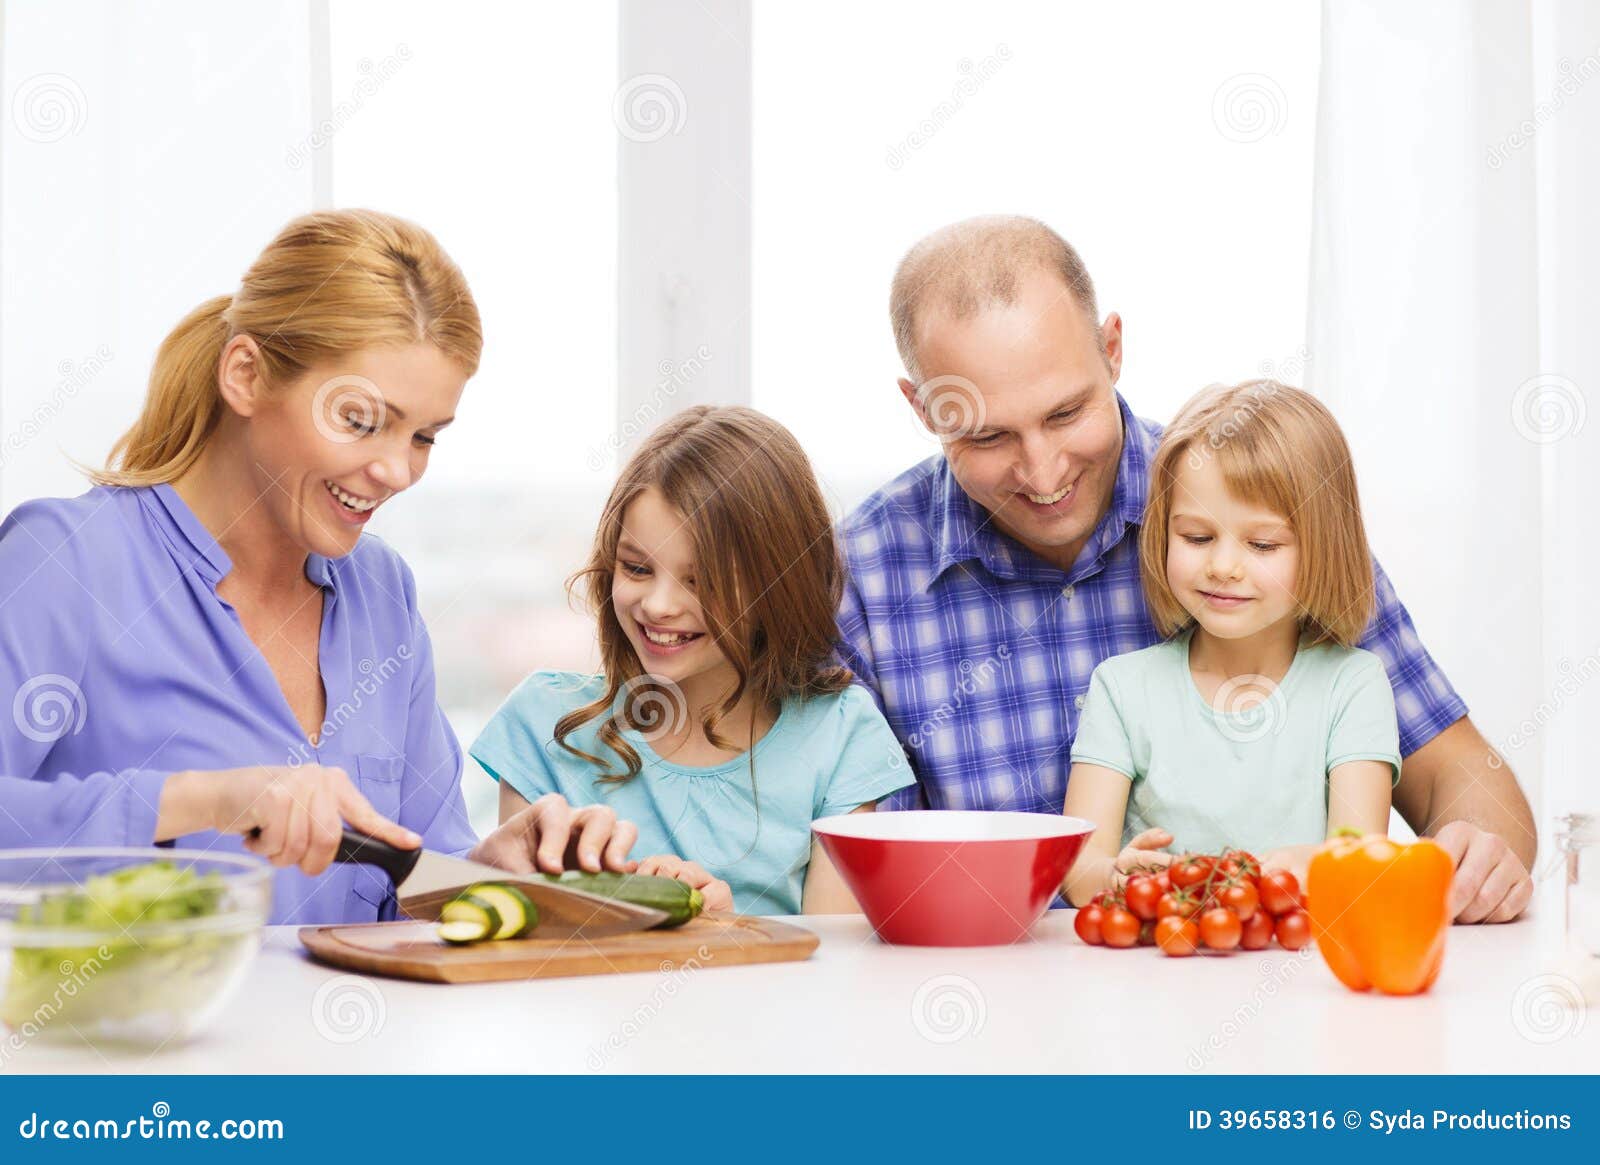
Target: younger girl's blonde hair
x: 1279, y: 448
x: 331, y: 283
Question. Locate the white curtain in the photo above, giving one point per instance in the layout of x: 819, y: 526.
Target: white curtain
x: 144, y: 162
x: 1452, y: 331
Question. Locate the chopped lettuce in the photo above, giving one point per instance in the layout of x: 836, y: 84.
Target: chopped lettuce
x: 123, y: 980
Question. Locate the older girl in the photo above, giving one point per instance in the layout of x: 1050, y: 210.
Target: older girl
x: 721, y: 724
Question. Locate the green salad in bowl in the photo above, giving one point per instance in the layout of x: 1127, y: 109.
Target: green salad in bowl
x: 133, y: 945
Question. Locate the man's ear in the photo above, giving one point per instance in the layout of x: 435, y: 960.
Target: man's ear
x: 239, y: 376
x: 909, y: 391
x: 1111, y: 343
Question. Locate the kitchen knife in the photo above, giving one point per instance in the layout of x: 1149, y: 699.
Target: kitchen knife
x: 424, y: 881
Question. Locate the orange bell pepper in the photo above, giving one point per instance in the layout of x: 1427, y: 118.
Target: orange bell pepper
x: 1380, y: 911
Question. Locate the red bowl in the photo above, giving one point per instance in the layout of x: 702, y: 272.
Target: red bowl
x: 953, y: 878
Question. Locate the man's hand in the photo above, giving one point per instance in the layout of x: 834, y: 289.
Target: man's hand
x: 717, y: 893
x: 1491, y: 883
x: 551, y: 836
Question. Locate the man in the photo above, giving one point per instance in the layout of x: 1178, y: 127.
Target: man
x: 988, y: 582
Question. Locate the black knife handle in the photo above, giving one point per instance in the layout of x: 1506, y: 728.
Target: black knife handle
x: 369, y: 851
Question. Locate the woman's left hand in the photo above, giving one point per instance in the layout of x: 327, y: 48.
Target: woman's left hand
x: 717, y: 893
x: 550, y: 836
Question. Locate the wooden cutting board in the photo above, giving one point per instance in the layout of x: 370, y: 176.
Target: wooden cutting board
x: 410, y: 950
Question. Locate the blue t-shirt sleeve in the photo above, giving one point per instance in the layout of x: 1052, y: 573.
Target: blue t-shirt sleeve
x: 1362, y: 725
x: 870, y: 763
x: 512, y: 746
x: 1102, y: 737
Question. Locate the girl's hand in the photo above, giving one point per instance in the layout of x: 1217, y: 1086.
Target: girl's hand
x: 717, y: 893
x: 1294, y: 858
x: 1142, y: 853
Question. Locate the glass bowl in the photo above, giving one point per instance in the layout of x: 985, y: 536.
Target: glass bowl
x: 141, y: 946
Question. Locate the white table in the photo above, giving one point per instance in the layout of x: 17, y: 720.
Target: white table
x: 1049, y: 1005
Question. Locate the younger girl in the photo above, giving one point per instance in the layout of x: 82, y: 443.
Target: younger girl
x: 721, y: 725
x: 1258, y: 724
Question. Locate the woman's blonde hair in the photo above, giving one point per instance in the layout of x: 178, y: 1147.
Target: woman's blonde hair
x: 331, y: 283
x: 767, y: 572
x: 1280, y: 448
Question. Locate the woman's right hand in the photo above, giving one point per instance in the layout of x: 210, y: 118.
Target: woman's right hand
x: 293, y: 814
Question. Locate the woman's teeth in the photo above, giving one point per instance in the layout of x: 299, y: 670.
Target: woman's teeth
x: 670, y: 638
x: 350, y: 501
x: 1050, y: 499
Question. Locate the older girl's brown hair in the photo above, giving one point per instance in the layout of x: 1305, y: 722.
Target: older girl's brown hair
x: 331, y: 283
x: 767, y: 571
x: 1280, y: 448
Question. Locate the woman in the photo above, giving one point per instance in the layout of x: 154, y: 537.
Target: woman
x: 203, y: 647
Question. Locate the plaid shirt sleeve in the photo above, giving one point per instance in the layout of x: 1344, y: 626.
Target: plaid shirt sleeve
x: 1424, y: 701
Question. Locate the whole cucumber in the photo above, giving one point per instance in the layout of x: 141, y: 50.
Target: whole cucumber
x: 678, y: 901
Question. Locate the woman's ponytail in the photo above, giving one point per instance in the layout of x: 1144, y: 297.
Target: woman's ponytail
x: 182, y: 405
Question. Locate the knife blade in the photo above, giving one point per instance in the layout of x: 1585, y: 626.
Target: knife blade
x: 425, y: 880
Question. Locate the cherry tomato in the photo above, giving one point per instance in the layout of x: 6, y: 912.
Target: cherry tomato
x: 1257, y: 934
x: 1164, y: 880
x: 1293, y: 930
x: 1118, y: 927
x: 1100, y: 898
x: 1142, y: 894
x: 1178, y: 937
x: 1190, y: 871
x: 1087, y: 924
x: 1178, y: 903
x: 1280, y: 891
x: 1241, y: 898
x: 1248, y: 864
x: 1220, y: 929
x: 1147, y: 934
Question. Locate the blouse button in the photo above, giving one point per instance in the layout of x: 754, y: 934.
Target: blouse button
x: 1078, y: 703
x: 1066, y: 591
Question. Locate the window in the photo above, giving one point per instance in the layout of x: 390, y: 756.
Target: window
x: 1170, y: 144
x: 491, y: 126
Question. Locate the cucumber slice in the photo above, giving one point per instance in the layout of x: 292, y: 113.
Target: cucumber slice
x: 468, y: 919
x: 460, y: 933
x: 518, y: 915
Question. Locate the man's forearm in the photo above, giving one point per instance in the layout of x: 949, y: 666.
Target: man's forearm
x: 1458, y: 776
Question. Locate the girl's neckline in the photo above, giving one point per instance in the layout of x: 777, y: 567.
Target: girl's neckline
x: 654, y: 760
x: 1256, y: 711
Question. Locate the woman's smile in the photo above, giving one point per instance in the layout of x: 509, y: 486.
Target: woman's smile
x: 351, y: 508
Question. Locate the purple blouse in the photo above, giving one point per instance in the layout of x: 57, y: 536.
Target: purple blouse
x: 120, y: 665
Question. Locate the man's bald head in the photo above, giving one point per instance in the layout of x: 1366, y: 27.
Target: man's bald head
x: 976, y: 264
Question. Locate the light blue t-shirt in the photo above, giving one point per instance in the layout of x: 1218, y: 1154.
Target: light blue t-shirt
x: 825, y: 755
x: 1257, y: 779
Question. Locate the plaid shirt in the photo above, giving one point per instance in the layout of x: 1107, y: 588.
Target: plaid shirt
x: 980, y: 652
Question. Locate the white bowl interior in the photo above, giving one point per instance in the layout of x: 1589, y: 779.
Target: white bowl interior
x: 949, y: 825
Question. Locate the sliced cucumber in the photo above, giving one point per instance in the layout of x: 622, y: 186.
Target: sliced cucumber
x: 461, y: 933
x: 518, y: 915
x: 468, y: 919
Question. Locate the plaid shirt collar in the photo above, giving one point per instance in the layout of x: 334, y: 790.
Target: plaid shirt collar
x: 964, y: 530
